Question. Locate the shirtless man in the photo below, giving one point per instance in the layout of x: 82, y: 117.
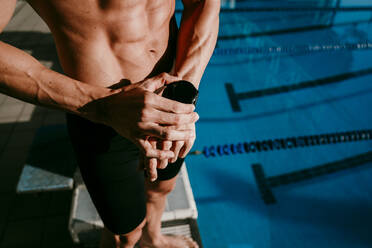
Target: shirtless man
x: 100, y: 43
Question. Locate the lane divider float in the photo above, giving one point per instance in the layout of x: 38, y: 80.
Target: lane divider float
x: 284, y: 143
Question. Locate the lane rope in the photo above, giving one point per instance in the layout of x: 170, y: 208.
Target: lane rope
x: 284, y: 143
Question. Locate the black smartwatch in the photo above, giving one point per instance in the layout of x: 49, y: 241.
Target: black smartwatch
x: 181, y: 91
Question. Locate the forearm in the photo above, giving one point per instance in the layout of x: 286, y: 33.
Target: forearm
x: 197, y: 39
x: 23, y: 77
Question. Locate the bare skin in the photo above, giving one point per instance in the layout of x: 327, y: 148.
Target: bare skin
x: 102, y: 42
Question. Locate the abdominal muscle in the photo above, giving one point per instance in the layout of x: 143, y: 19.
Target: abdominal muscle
x: 102, y: 42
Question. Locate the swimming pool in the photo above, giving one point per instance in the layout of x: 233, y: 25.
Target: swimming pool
x: 284, y: 69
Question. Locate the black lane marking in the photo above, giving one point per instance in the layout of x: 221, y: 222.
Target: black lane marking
x: 234, y: 97
x: 290, y: 30
x: 266, y: 183
x: 261, y: 181
x: 266, y: 114
x: 287, y: 143
x: 334, y: 13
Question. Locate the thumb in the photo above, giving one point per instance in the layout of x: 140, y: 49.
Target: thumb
x: 169, y: 78
x: 153, y: 84
x: 158, y: 82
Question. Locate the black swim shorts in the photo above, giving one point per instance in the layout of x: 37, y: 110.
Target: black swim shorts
x: 109, y: 167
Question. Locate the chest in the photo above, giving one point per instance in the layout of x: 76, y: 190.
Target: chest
x: 124, y: 18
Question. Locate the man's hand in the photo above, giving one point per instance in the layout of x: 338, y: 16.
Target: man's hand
x: 138, y: 113
x: 180, y: 149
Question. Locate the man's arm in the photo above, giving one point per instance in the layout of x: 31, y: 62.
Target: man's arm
x: 134, y: 111
x: 23, y: 77
x: 196, y: 41
x: 197, y: 38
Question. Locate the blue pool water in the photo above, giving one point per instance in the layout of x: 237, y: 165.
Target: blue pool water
x: 264, y: 45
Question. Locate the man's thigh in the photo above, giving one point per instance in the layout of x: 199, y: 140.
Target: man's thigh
x: 109, y: 167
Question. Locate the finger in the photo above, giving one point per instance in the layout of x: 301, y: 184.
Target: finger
x: 150, y: 152
x: 165, y: 145
x: 154, y: 83
x: 160, y: 90
x: 149, y: 84
x: 152, y: 172
x: 153, y: 142
x: 165, y: 118
x: 183, y: 127
x: 176, y: 147
x: 166, y: 132
x: 167, y: 77
x: 162, y: 164
x: 186, y: 148
x: 151, y: 162
x: 180, y: 127
x: 167, y: 105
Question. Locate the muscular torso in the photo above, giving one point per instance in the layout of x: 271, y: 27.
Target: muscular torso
x: 103, y: 41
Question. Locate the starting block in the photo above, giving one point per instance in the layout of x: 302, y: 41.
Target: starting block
x: 179, y: 217
x: 50, y: 165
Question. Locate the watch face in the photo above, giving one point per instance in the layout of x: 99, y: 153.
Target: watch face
x: 182, y: 91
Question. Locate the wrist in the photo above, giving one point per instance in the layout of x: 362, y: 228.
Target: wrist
x: 188, y: 78
x: 97, y: 107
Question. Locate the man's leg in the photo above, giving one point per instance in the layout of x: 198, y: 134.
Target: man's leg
x: 108, y: 165
x: 150, y: 233
x: 156, y: 193
x: 128, y: 240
